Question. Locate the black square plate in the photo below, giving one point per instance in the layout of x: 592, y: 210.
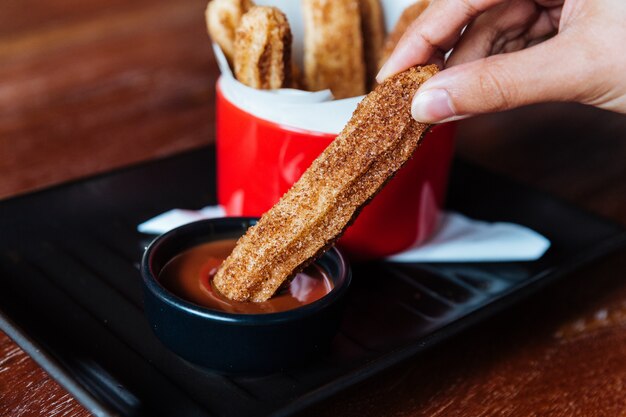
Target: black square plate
x: 70, y: 291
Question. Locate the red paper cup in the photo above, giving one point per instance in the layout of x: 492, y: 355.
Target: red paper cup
x: 258, y: 161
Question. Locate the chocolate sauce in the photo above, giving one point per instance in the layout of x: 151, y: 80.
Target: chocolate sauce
x: 189, y: 275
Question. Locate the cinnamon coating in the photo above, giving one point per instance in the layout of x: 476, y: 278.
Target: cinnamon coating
x: 407, y: 17
x: 263, y: 49
x: 373, y: 29
x: 379, y: 138
x: 296, y: 77
x: 222, y: 19
x: 333, y: 47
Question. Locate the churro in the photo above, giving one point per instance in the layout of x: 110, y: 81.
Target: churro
x: 222, y: 19
x: 333, y: 47
x: 407, y: 17
x: 373, y: 29
x: 296, y: 77
x: 379, y: 138
x: 263, y: 49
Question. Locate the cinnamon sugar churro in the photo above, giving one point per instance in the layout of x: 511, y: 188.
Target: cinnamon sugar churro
x: 406, y: 18
x: 373, y: 28
x: 222, y: 18
x: 333, y: 47
x: 263, y: 49
x: 379, y: 138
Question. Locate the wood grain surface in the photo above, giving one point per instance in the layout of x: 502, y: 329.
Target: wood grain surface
x: 26, y: 390
x: 563, y: 351
x: 89, y: 86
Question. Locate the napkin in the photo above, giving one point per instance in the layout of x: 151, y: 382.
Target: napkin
x: 457, y: 239
x: 461, y: 239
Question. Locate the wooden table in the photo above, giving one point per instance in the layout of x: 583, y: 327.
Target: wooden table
x: 88, y: 86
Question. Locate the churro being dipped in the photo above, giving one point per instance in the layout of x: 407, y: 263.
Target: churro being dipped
x: 263, y: 49
x: 380, y: 137
x: 407, y: 17
x: 222, y: 19
x: 333, y: 47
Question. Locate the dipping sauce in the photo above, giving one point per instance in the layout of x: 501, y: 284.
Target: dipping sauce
x: 189, y: 275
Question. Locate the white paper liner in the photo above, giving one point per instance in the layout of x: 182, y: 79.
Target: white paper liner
x: 313, y: 111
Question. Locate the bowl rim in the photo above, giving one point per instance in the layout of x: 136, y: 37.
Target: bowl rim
x: 308, y: 133
x: 152, y: 284
x: 312, y: 134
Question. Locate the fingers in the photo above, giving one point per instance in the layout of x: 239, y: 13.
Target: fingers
x: 408, y: 16
x: 551, y: 71
x: 507, y: 27
x: 438, y: 28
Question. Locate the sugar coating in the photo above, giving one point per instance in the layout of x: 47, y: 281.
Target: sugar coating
x: 263, y: 49
x: 333, y: 47
x: 380, y: 137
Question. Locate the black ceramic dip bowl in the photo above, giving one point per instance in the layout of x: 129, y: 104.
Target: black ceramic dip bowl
x: 234, y: 342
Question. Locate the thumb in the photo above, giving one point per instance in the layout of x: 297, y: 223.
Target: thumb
x: 550, y: 71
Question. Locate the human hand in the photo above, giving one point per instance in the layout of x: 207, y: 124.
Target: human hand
x: 507, y: 56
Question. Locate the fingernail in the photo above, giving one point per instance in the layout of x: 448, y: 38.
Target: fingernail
x: 433, y: 106
x: 384, y: 72
x: 392, y: 65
